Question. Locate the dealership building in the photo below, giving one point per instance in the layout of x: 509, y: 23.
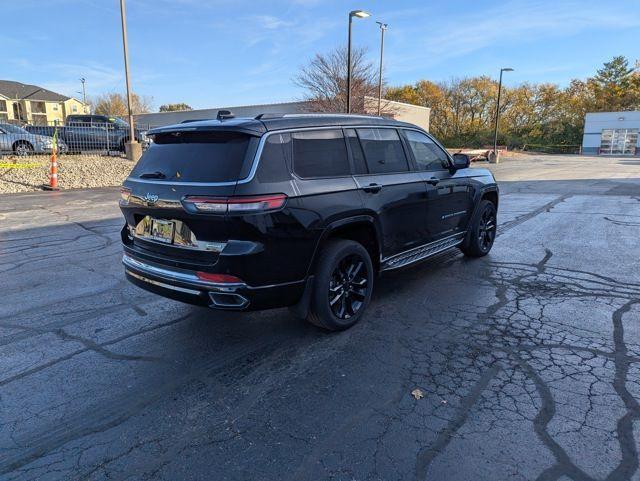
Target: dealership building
x: 611, y: 133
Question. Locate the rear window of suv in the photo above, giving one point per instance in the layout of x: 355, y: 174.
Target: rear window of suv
x: 208, y: 156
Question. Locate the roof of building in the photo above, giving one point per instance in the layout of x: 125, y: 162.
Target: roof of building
x: 285, y: 121
x: 17, y: 90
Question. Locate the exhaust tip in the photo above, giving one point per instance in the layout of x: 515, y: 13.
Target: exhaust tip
x: 228, y: 300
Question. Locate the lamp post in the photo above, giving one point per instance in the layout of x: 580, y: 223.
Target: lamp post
x: 84, y: 92
x: 358, y: 14
x: 134, y: 151
x: 383, y: 28
x: 495, y: 128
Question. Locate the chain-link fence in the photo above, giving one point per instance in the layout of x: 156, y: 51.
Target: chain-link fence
x: 72, y: 138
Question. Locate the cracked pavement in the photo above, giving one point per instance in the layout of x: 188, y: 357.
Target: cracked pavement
x: 529, y: 358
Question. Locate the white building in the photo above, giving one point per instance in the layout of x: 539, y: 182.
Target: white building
x: 611, y: 133
x: 414, y: 114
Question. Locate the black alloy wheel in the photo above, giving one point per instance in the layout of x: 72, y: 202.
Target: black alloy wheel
x: 481, y: 231
x: 342, y: 285
x: 348, y: 287
x: 487, y: 229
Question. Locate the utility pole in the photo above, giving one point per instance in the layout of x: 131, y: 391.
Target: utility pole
x: 133, y: 153
x: 383, y: 28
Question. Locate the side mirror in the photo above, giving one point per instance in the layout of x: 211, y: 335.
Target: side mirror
x: 461, y: 161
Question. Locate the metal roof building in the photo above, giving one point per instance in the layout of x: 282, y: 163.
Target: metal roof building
x: 414, y: 114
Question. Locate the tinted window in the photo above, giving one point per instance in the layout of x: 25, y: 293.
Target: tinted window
x: 383, y: 150
x: 273, y: 161
x: 196, y: 156
x: 320, y: 153
x: 427, y: 154
x: 360, y: 165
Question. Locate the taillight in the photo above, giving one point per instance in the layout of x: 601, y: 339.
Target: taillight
x: 219, y: 278
x: 125, y: 194
x: 236, y: 205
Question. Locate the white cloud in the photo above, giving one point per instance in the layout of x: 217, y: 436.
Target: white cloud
x: 270, y: 22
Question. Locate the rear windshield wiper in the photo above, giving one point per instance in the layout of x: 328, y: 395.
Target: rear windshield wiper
x: 153, y: 175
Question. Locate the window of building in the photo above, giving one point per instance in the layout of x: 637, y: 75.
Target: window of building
x: 3, y: 106
x: 383, y: 150
x: 618, y: 141
x: 74, y: 108
x: 427, y: 154
x: 37, y: 107
x: 320, y: 153
x: 55, y: 107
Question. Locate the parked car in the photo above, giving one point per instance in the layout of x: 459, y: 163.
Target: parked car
x: 297, y: 210
x: 117, y: 130
x: 21, y: 142
x: 91, y: 132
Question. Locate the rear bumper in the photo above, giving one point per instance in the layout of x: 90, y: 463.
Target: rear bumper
x: 185, y: 286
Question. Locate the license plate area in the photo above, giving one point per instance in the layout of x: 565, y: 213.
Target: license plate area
x: 159, y: 230
x: 174, y: 233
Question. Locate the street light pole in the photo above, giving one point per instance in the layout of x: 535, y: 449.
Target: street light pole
x: 84, y: 94
x: 123, y: 16
x: 359, y: 14
x: 495, y: 128
x: 383, y: 28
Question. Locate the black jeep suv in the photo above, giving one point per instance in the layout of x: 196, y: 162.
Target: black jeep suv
x: 296, y: 210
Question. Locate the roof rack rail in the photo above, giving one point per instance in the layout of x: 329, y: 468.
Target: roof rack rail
x: 188, y: 121
x: 265, y: 116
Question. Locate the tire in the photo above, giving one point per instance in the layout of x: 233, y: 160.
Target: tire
x: 482, y: 231
x: 22, y: 148
x: 351, y: 288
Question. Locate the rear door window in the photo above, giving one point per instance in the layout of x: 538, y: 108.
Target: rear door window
x: 320, y: 153
x: 206, y: 156
x: 383, y: 151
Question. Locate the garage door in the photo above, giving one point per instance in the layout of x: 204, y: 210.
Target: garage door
x: 619, y: 141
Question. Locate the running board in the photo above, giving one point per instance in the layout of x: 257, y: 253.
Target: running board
x: 419, y: 253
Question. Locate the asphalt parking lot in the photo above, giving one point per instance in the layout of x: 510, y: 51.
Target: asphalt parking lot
x: 528, y: 359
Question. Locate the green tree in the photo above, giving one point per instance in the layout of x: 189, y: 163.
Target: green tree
x: 174, y: 107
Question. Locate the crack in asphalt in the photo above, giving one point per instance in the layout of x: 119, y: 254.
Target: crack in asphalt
x: 512, y: 359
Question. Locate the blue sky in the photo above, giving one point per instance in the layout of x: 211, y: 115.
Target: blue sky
x: 212, y: 53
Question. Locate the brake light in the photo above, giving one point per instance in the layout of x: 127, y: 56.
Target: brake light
x: 219, y: 278
x: 236, y: 205
x: 125, y: 194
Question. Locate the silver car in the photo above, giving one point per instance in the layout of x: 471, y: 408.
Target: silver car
x: 20, y: 142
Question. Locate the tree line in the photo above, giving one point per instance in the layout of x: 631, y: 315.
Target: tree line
x: 541, y: 115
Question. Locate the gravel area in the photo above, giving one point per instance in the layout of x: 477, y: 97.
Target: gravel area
x: 25, y: 174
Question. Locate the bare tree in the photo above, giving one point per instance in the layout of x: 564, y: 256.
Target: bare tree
x: 325, y: 81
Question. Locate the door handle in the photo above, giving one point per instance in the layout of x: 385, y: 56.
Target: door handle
x: 433, y: 181
x: 372, y: 188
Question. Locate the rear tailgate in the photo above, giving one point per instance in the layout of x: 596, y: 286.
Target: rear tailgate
x: 178, y: 165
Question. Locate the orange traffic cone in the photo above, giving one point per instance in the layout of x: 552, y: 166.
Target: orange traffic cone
x: 53, y: 173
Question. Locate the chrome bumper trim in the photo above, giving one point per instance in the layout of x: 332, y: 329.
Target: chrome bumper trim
x: 162, y: 284
x: 171, y: 275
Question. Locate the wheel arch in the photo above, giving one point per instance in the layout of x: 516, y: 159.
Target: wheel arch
x: 21, y: 142
x: 491, y: 194
x: 362, y: 228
